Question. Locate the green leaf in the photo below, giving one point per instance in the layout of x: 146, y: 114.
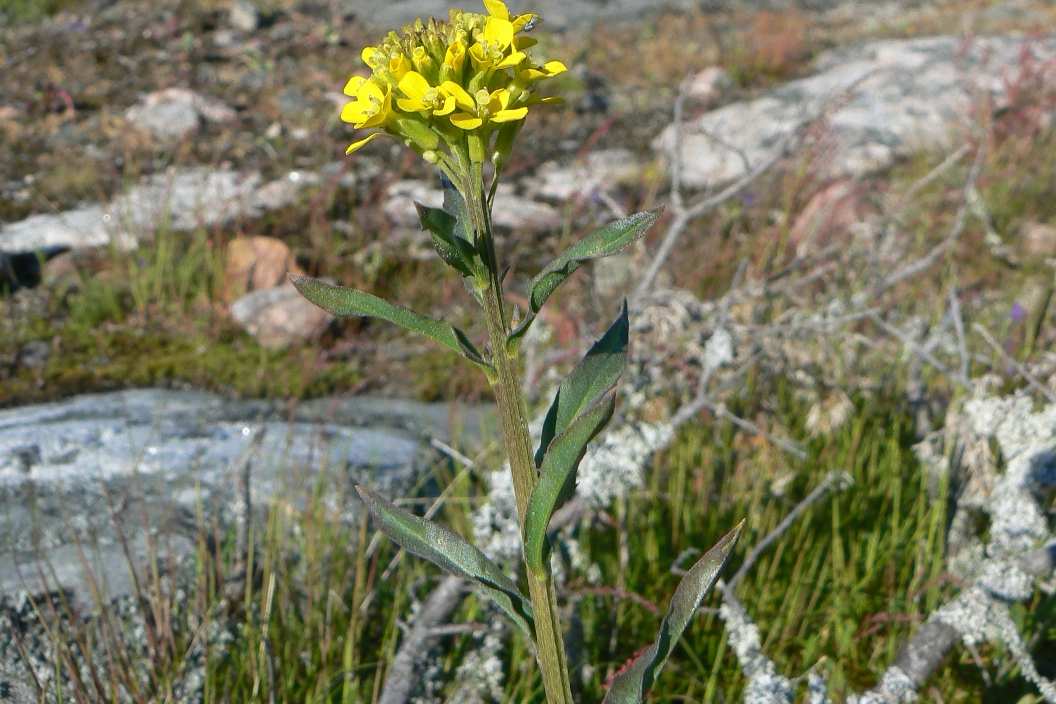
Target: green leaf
x: 452, y: 248
x: 632, y: 684
x: 557, y: 480
x: 451, y: 552
x: 603, y: 242
x: 341, y: 301
x: 455, y: 205
x: 595, y: 374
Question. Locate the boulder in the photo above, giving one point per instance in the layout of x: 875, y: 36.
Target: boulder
x: 279, y: 317
x: 177, y: 199
x: 599, y: 170
x: 80, y: 477
x: 885, y: 100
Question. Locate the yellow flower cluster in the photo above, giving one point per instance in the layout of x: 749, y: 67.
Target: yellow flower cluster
x: 454, y: 83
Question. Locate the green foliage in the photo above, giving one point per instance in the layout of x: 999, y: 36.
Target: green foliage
x: 341, y: 301
x: 451, y: 552
x: 455, y: 250
x: 633, y: 684
x: 584, y: 403
x: 603, y: 242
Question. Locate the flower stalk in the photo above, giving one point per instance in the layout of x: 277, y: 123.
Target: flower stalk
x: 506, y: 385
x: 458, y: 93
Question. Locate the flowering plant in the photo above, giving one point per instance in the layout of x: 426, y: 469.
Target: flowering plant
x: 458, y: 93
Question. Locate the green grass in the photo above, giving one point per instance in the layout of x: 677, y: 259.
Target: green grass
x: 841, y: 590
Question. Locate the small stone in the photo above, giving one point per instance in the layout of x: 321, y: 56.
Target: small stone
x: 599, y: 170
x: 255, y: 263
x: 832, y: 211
x: 708, y: 87
x: 176, y: 112
x: 35, y: 354
x: 279, y: 317
x: 1038, y: 239
x: 243, y: 16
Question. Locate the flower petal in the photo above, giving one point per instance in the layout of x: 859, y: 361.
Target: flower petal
x: 464, y: 99
x: 448, y: 107
x: 498, y: 31
x: 513, y: 59
x: 521, y: 21
x: 510, y: 115
x: 413, y: 85
x: 521, y: 43
x: 554, y: 68
x: 353, y: 85
x: 356, y: 146
x: 465, y: 121
x: 411, y: 105
x: 354, y: 113
x: 497, y: 8
x: 369, y: 54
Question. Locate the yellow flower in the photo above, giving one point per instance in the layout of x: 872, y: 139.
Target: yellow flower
x: 493, y: 42
x: 484, y: 107
x: 550, y: 69
x: 371, y: 104
x: 497, y: 8
x: 423, y: 97
x: 371, y: 107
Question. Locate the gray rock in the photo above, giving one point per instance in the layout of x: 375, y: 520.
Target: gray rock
x: 564, y: 13
x: 278, y: 317
x: 179, y: 199
x: 173, y: 113
x: 243, y: 16
x: 512, y: 212
x: 889, y: 99
x: 79, y: 476
x: 597, y: 171
x: 708, y: 86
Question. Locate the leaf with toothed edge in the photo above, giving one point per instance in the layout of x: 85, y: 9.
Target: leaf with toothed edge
x: 450, y: 551
x: 343, y: 302
x: 603, y: 242
x: 634, y: 682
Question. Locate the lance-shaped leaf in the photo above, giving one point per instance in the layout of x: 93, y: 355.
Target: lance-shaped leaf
x: 452, y: 248
x: 595, y: 374
x: 455, y: 206
x: 451, y: 552
x: 602, y: 242
x: 557, y: 479
x: 632, y: 684
x: 341, y: 301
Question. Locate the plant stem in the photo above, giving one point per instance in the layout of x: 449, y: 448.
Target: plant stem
x: 510, y: 401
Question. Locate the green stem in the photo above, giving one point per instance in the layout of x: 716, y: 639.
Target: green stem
x: 510, y: 401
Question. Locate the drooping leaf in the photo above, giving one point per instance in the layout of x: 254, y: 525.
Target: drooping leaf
x: 557, y: 480
x: 451, y: 552
x: 595, y: 374
x: 341, y: 301
x: 635, y: 681
x: 452, y: 248
x: 603, y: 242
